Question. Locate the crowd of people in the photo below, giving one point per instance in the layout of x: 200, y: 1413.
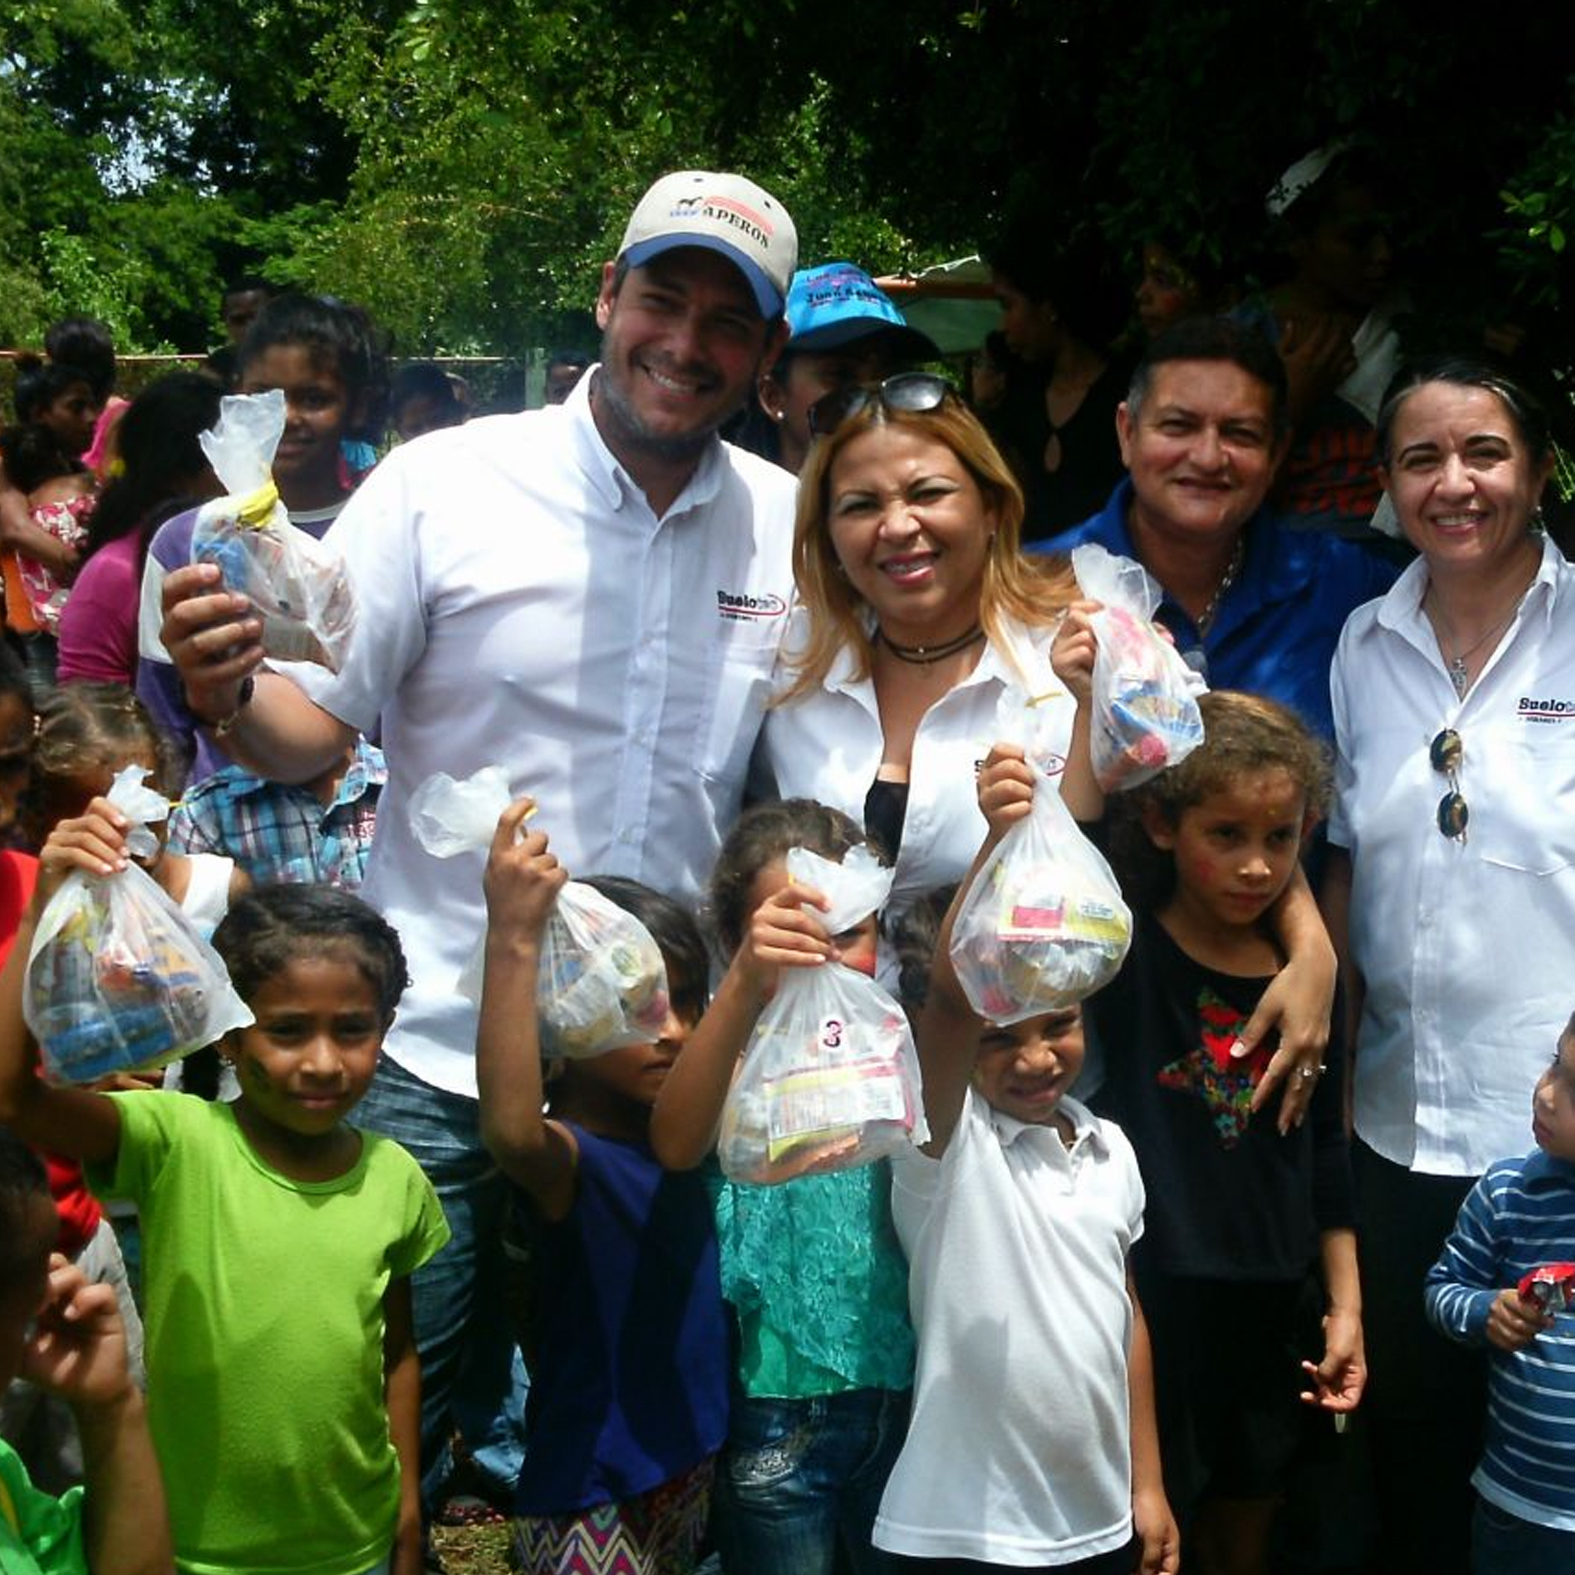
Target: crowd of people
x: 380, y: 1261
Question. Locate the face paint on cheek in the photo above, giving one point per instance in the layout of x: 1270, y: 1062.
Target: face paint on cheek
x: 1200, y: 874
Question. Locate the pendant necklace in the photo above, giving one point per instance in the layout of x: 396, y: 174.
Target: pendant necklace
x: 1455, y: 666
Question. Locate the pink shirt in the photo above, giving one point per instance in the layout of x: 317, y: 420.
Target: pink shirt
x: 98, y: 629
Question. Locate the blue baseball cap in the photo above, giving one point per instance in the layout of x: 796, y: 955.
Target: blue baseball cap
x: 837, y: 304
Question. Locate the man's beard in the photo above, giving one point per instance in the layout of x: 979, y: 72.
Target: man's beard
x: 620, y: 413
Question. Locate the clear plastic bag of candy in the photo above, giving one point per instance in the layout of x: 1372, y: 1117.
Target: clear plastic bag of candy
x: 830, y: 1077
x: 1043, y: 925
x: 118, y: 979
x: 1145, y: 709
x: 602, y: 980
x: 296, y: 584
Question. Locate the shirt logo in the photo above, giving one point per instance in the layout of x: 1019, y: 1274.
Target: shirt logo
x: 739, y: 607
x: 1530, y: 710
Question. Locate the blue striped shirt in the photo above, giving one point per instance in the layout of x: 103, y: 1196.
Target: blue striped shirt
x: 1520, y: 1215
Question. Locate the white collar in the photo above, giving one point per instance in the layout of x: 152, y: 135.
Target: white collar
x: 1085, y: 1129
x: 608, y: 475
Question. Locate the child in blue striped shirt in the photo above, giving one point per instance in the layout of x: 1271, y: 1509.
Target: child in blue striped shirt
x: 1518, y: 1217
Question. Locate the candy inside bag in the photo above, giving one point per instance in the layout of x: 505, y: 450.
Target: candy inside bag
x: 602, y: 981
x: 296, y: 585
x: 830, y: 1078
x: 118, y: 979
x: 1145, y: 709
x: 1550, y: 1287
x: 1043, y: 924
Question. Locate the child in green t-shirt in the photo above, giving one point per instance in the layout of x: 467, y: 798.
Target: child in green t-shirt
x: 283, y: 1378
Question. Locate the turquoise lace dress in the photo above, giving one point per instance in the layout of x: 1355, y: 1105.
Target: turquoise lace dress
x: 815, y: 1274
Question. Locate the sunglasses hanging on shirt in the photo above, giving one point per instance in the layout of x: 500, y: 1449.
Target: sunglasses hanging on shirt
x: 1446, y: 753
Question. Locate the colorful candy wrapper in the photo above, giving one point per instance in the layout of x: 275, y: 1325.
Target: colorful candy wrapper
x: 296, y: 584
x: 830, y: 1078
x: 1145, y: 709
x: 1043, y: 925
x: 118, y: 979
x: 602, y: 979
x: 1550, y: 1287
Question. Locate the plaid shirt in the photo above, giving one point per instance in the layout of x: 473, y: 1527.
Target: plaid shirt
x: 280, y: 833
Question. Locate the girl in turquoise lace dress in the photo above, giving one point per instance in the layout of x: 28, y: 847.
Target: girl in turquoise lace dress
x: 811, y: 1268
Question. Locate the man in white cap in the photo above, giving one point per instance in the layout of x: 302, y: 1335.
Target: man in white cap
x: 588, y: 595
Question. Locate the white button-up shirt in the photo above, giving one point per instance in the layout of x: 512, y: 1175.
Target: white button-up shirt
x: 519, y: 604
x: 829, y: 744
x: 1467, y: 949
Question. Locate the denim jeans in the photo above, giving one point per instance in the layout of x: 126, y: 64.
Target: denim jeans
x: 1504, y: 1544
x: 798, y: 1476
x: 465, y: 1343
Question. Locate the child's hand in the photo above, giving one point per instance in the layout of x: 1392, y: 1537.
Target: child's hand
x: 1157, y: 1532
x: 94, y: 842
x: 1339, y: 1379
x: 782, y: 934
x: 78, y: 1346
x: 1006, y: 788
x: 1073, y: 650
x: 522, y: 879
x: 1513, y: 1323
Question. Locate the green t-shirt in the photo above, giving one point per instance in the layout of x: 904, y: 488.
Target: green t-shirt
x: 39, y: 1534
x: 265, y: 1337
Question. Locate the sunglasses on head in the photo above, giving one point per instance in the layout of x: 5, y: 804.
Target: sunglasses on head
x: 911, y: 392
x: 1446, y: 753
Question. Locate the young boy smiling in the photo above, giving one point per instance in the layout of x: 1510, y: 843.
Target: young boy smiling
x: 1519, y: 1217
x: 1033, y: 1442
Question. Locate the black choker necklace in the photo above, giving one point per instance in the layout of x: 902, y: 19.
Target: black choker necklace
x: 923, y: 655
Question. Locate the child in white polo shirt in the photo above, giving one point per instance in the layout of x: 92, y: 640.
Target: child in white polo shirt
x: 1033, y: 1443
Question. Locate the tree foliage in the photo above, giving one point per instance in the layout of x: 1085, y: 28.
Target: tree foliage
x: 463, y: 166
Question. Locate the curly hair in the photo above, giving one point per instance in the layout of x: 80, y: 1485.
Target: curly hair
x: 1242, y: 734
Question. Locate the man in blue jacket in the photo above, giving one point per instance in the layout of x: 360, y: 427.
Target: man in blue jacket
x: 1252, y: 605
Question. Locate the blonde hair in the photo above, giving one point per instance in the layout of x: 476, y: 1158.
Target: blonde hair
x: 1029, y: 590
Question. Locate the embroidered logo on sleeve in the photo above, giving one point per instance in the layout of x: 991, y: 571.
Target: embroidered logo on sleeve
x: 1223, y: 1084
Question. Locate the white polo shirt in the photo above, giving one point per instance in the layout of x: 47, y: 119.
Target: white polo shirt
x: 1019, y: 1451
x: 518, y: 604
x: 828, y: 745
x: 1467, y: 950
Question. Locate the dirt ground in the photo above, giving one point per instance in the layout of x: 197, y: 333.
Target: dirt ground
x: 473, y: 1550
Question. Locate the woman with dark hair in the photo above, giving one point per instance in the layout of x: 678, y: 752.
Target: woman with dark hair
x: 163, y: 470
x: 1060, y: 308
x: 1453, y: 833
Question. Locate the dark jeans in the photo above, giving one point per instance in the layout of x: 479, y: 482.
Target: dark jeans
x: 1426, y: 1396
x: 798, y: 1476
x: 1504, y: 1544
x: 1122, y: 1562
x: 461, y: 1331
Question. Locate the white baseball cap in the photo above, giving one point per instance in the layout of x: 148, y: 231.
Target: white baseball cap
x: 726, y: 214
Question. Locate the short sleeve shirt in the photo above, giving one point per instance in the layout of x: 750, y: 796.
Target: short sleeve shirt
x: 265, y: 1336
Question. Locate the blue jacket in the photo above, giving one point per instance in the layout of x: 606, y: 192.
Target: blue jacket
x: 1278, y: 625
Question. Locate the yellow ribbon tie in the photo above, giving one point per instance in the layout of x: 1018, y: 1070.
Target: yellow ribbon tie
x: 256, y: 508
